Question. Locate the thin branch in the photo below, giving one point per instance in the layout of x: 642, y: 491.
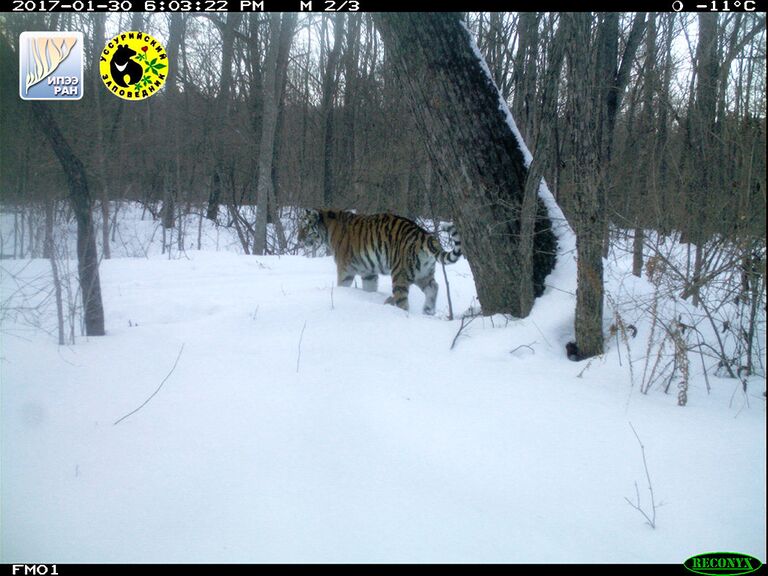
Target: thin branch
x: 301, y: 337
x: 155, y: 392
x: 529, y: 346
x: 650, y: 519
x: 465, y: 321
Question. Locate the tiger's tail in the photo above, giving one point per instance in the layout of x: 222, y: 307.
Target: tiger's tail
x: 445, y: 257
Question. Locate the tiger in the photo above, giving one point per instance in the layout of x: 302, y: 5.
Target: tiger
x: 369, y: 245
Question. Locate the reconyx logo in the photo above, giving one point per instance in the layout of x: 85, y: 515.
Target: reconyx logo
x: 133, y: 65
x: 51, y: 65
x: 718, y: 563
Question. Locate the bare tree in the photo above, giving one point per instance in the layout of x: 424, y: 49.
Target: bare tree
x: 596, y: 84
x: 229, y: 29
x: 542, y: 118
x: 330, y: 83
x: 80, y: 200
x: 273, y: 82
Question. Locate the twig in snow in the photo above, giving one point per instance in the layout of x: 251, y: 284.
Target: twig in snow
x: 589, y: 364
x: 155, y: 392
x: 529, y: 346
x: 465, y: 321
x: 298, y: 356
x: 447, y: 292
x: 651, y: 520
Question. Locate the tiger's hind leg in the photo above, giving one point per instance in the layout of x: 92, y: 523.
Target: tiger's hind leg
x: 371, y: 282
x: 430, y: 289
x: 400, y: 285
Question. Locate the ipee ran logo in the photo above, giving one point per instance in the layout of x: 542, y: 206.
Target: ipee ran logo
x: 51, y: 65
x: 133, y: 65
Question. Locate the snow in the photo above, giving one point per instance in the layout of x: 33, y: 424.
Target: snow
x: 306, y: 422
x: 563, y: 277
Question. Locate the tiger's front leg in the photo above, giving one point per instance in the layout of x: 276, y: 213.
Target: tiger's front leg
x: 370, y: 282
x: 344, y: 277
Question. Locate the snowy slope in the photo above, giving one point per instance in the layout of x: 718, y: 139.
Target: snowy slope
x: 310, y: 423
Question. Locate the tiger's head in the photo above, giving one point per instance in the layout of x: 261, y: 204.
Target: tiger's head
x: 312, y: 230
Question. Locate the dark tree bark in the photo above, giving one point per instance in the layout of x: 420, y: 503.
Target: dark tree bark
x: 476, y: 156
x: 172, y: 185
x: 525, y: 73
x: 647, y: 156
x: 273, y: 79
x: 596, y: 84
x: 326, y: 110
x: 701, y: 135
x: 351, y: 102
x: 222, y: 108
x: 98, y: 44
x: 585, y: 114
x: 542, y: 114
x: 80, y: 199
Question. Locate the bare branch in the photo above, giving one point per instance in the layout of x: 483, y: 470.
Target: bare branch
x: 153, y: 393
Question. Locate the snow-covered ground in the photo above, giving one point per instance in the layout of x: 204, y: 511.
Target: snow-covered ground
x: 305, y: 422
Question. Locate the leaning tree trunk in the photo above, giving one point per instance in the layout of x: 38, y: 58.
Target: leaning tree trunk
x: 476, y: 156
x: 80, y: 199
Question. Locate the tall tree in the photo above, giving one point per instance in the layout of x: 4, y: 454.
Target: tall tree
x: 584, y: 112
x: 475, y: 153
x: 701, y: 127
x: 526, y: 61
x: 81, y: 203
x: 272, y: 84
x: 82, y: 206
x: 172, y: 170
x: 596, y: 84
x: 100, y: 152
x: 228, y: 33
x: 647, y: 170
x: 542, y: 117
x: 330, y: 84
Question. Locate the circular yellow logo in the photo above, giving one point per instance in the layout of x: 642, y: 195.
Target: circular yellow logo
x: 133, y: 65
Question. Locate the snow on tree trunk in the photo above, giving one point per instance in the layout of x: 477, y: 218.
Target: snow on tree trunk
x: 477, y: 156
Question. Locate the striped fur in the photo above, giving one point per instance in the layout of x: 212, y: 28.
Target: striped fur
x: 369, y: 245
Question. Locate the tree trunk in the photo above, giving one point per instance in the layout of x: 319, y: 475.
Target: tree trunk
x: 272, y: 84
x: 351, y: 102
x: 326, y: 110
x: 99, y: 93
x: 542, y: 114
x: 222, y: 106
x: 172, y: 184
x: 80, y: 200
x: 646, y: 175
x: 476, y: 156
x: 595, y: 90
x: 702, y: 132
x: 525, y: 73
x: 49, y: 252
x: 584, y: 110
